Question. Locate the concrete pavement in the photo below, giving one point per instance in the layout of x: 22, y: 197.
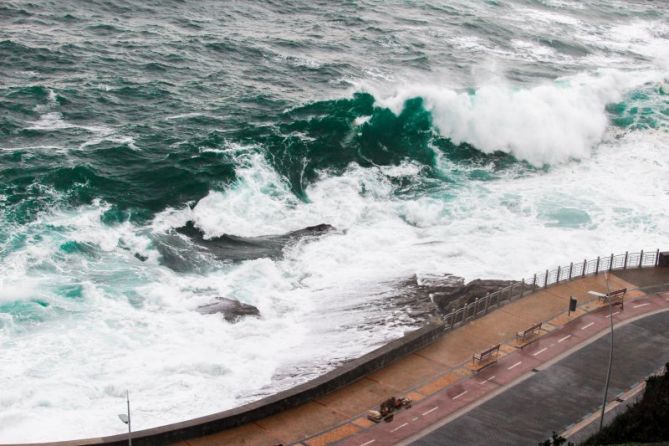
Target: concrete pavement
x: 553, y: 398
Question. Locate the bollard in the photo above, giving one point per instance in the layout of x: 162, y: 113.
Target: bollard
x: 585, y: 266
x: 546, y: 279
x: 625, y: 264
x: 611, y: 263
x: 597, y: 266
x: 571, y: 269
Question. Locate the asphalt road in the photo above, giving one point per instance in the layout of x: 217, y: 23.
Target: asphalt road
x: 556, y: 397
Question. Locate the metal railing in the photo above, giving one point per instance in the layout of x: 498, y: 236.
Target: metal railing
x: 481, y: 306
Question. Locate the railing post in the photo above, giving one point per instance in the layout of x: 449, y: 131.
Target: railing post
x: 571, y: 269
x: 657, y: 256
x: 476, y: 306
x: 522, y: 287
x: 597, y: 267
x: 487, y: 303
x: 452, y: 319
x: 611, y: 263
x: 585, y: 266
x: 546, y: 279
x: 641, y: 259
x: 625, y: 264
x: 534, y: 282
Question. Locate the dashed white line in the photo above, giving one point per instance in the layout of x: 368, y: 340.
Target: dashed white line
x: 588, y: 326
x: 617, y: 312
x: 540, y: 351
x: 515, y: 365
x: 430, y: 411
x: 367, y: 443
x: 399, y: 427
x: 459, y: 395
x: 641, y: 305
x: 487, y: 380
x: 564, y: 339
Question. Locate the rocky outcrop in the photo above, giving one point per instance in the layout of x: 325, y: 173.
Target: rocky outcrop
x: 231, y: 309
x: 195, y: 252
x: 458, y: 294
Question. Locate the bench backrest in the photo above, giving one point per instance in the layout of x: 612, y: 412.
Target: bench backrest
x: 489, y: 351
x: 616, y: 293
x: 533, y: 328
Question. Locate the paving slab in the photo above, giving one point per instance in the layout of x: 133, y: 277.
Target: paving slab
x: 365, y: 393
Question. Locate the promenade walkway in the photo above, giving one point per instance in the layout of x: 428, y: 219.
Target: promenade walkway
x: 438, y: 377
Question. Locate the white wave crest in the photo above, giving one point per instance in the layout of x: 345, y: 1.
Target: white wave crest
x: 549, y: 123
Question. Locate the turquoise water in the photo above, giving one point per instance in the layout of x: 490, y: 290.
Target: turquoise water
x: 482, y: 139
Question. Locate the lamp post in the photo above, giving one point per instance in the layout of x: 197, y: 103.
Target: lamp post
x: 608, y: 372
x: 126, y: 418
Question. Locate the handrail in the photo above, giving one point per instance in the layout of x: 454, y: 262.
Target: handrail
x: 564, y: 273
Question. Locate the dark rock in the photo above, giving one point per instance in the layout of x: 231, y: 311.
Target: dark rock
x: 231, y: 309
x: 235, y: 248
x: 458, y: 294
x: 141, y: 257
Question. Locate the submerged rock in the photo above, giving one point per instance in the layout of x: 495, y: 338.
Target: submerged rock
x: 231, y: 309
x: 183, y: 255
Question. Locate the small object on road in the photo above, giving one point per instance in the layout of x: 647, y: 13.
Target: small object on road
x: 388, y: 418
x: 374, y: 415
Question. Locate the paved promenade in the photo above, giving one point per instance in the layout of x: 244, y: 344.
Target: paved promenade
x: 438, y: 377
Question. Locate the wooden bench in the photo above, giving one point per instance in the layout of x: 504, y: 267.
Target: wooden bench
x: 614, y: 297
x: 485, y: 358
x: 528, y: 336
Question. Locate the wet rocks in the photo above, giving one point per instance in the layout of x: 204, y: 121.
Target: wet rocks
x: 231, y: 309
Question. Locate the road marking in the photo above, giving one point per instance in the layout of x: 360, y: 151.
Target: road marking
x: 459, y: 395
x: 564, y: 339
x: 515, y: 365
x: 487, y: 380
x: 617, y: 312
x: 399, y: 427
x: 641, y: 305
x: 540, y: 351
x: 368, y: 442
x: 588, y: 326
x: 430, y: 411
x: 414, y: 418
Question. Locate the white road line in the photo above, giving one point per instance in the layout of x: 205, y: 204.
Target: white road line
x: 487, y: 380
x: 588, y: 326
x: 540, y: 351
x: 399, y: 427
x: 515, y: 365
x: 617, y: 312
x: 414, y: 418
x: 368, y: 442
x: 641, y: 305
x: 430, y: 411
x: 564, y: 339
x: 459, y: 395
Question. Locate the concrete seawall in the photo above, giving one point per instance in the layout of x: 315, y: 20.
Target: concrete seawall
x: 342, y: 376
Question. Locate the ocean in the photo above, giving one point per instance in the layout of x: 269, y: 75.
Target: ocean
x: 484, y: 139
